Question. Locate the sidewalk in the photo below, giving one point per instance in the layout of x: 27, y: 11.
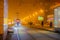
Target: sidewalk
x: 47, y: 28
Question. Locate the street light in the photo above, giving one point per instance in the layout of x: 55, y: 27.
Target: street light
x: 41, y: 11
x: 36, y: 13
x: 33, y: 14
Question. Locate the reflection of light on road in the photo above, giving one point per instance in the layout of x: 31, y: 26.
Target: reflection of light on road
x: 18, y: 29
x: 22, y: 30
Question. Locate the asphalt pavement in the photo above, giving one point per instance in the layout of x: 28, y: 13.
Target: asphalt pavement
x: 23, y: 33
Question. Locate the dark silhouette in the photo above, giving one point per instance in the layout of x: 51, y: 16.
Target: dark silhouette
x: 30, y: 23
x: 42, y: 23
x: 50, y: 24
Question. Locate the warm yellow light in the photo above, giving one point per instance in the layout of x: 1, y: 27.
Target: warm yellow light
x: 9, y: 23
x: 54, y: 6
x: 33, y: 14
x: 36, y: 13
x: 29, y: 16
x: 50, y: 16
x: 23, y: 18
x: 41, y: 11
x: 9, y: 20
x: 5, y: 20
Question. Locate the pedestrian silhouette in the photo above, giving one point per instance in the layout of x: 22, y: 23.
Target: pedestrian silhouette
x: 50, y: 24
x: 42, y: 23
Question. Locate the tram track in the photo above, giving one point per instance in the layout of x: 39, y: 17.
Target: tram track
x: 49, y: 36
x: 31, y: 36
x: 34, y: 38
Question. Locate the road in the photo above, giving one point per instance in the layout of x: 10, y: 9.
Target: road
x: 22, y: 33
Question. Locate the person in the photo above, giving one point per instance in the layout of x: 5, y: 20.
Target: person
x: 50, y: 24
x: 42, y: 23
x: 17, y: 22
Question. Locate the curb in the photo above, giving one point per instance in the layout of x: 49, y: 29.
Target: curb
x: 44, y: 29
